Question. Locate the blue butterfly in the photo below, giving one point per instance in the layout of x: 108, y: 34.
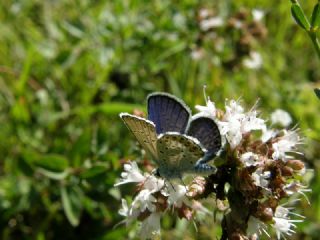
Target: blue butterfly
x: 177, y: 142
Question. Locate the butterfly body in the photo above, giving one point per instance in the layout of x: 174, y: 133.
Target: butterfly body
x: 177, y: 143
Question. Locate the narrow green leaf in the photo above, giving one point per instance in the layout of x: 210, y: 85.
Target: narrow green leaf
x: 53, y: 175
x: 315, y: 19
x: 299, y: 16
x: 52, y: 162
x: 93, y: 172
x: 179, y: 47
x: 71, y: 201
x: 24, y: 76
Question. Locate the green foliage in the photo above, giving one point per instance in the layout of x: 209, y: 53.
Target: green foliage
x: 302, y: 20
x: 315, y: 18
x: 67, y: 68
x: 299, y: 16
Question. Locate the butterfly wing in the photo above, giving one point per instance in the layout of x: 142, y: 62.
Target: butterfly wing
x: 207, y: 132
x: 177, y: 154
x: 144, y: 131
x: 169, y: 113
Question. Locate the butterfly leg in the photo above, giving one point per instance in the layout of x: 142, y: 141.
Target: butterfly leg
x: 172, y: 186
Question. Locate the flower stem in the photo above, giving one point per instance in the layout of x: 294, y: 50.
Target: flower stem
x: 234, y: 224
x: 315, y: 42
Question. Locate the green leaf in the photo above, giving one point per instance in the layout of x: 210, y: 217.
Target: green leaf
x: 93, y: 172
x: 299, y: 16
x: 25, y: 167
x: 317, y: 92
x: 52, y: 162
x: 53, y: 175
x: 24, y: 76
x: 71, y: 201
x: 315, y: 18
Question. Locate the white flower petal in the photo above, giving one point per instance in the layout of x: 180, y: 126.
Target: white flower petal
x: 286, y: 143
x: 254, y: 61
x: 257, y: 14
x: 260, y: 178
x: 281, y: 117
x: 177, y: 195
x: 213, y: 22
x: 144, y: 200
x: 282, y: 223
x: 150, y: 227
x: 132, y: 174
x: 267, y: 134
x: 207, y: 111
x: 249, y: 159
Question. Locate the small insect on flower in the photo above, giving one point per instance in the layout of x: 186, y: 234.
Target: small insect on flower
x: 177, y: 142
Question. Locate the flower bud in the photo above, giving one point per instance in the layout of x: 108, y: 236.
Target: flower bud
x: 286, y: 171
x: 296, y: 165
x: 185, y: 212
x: 161, y: 203
x: 266, y: 215
x: 242, y: 14
x: 197, y: 187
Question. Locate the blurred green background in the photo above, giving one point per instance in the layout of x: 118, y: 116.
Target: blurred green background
x: 68, y: 68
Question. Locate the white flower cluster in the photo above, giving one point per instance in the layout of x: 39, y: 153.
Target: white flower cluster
x: 268, y: 167
x: 281, y: 223
x: 154, y: 197
x: 235, y: 122
x: 259, y: 163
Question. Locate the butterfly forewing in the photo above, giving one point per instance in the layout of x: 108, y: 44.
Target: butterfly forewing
x: 207, y: 132
x: 144, y: 131
x: 168, y: 113
x: 177, y: 154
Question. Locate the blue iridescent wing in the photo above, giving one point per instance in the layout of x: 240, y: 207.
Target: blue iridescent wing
x: 207, y: 132
x: 144, y: 131
x: 177, y: 154
x: 168, y: 113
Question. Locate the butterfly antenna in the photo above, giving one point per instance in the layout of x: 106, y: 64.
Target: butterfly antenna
x: 172, y: 186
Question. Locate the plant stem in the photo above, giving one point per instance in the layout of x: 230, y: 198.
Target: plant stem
x: 315, y: 42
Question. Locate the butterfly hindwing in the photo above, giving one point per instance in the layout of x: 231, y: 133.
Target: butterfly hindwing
x: 144, y: 131
x: 168, y: 113
x: 177, y: 154
x: 207, y: 132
